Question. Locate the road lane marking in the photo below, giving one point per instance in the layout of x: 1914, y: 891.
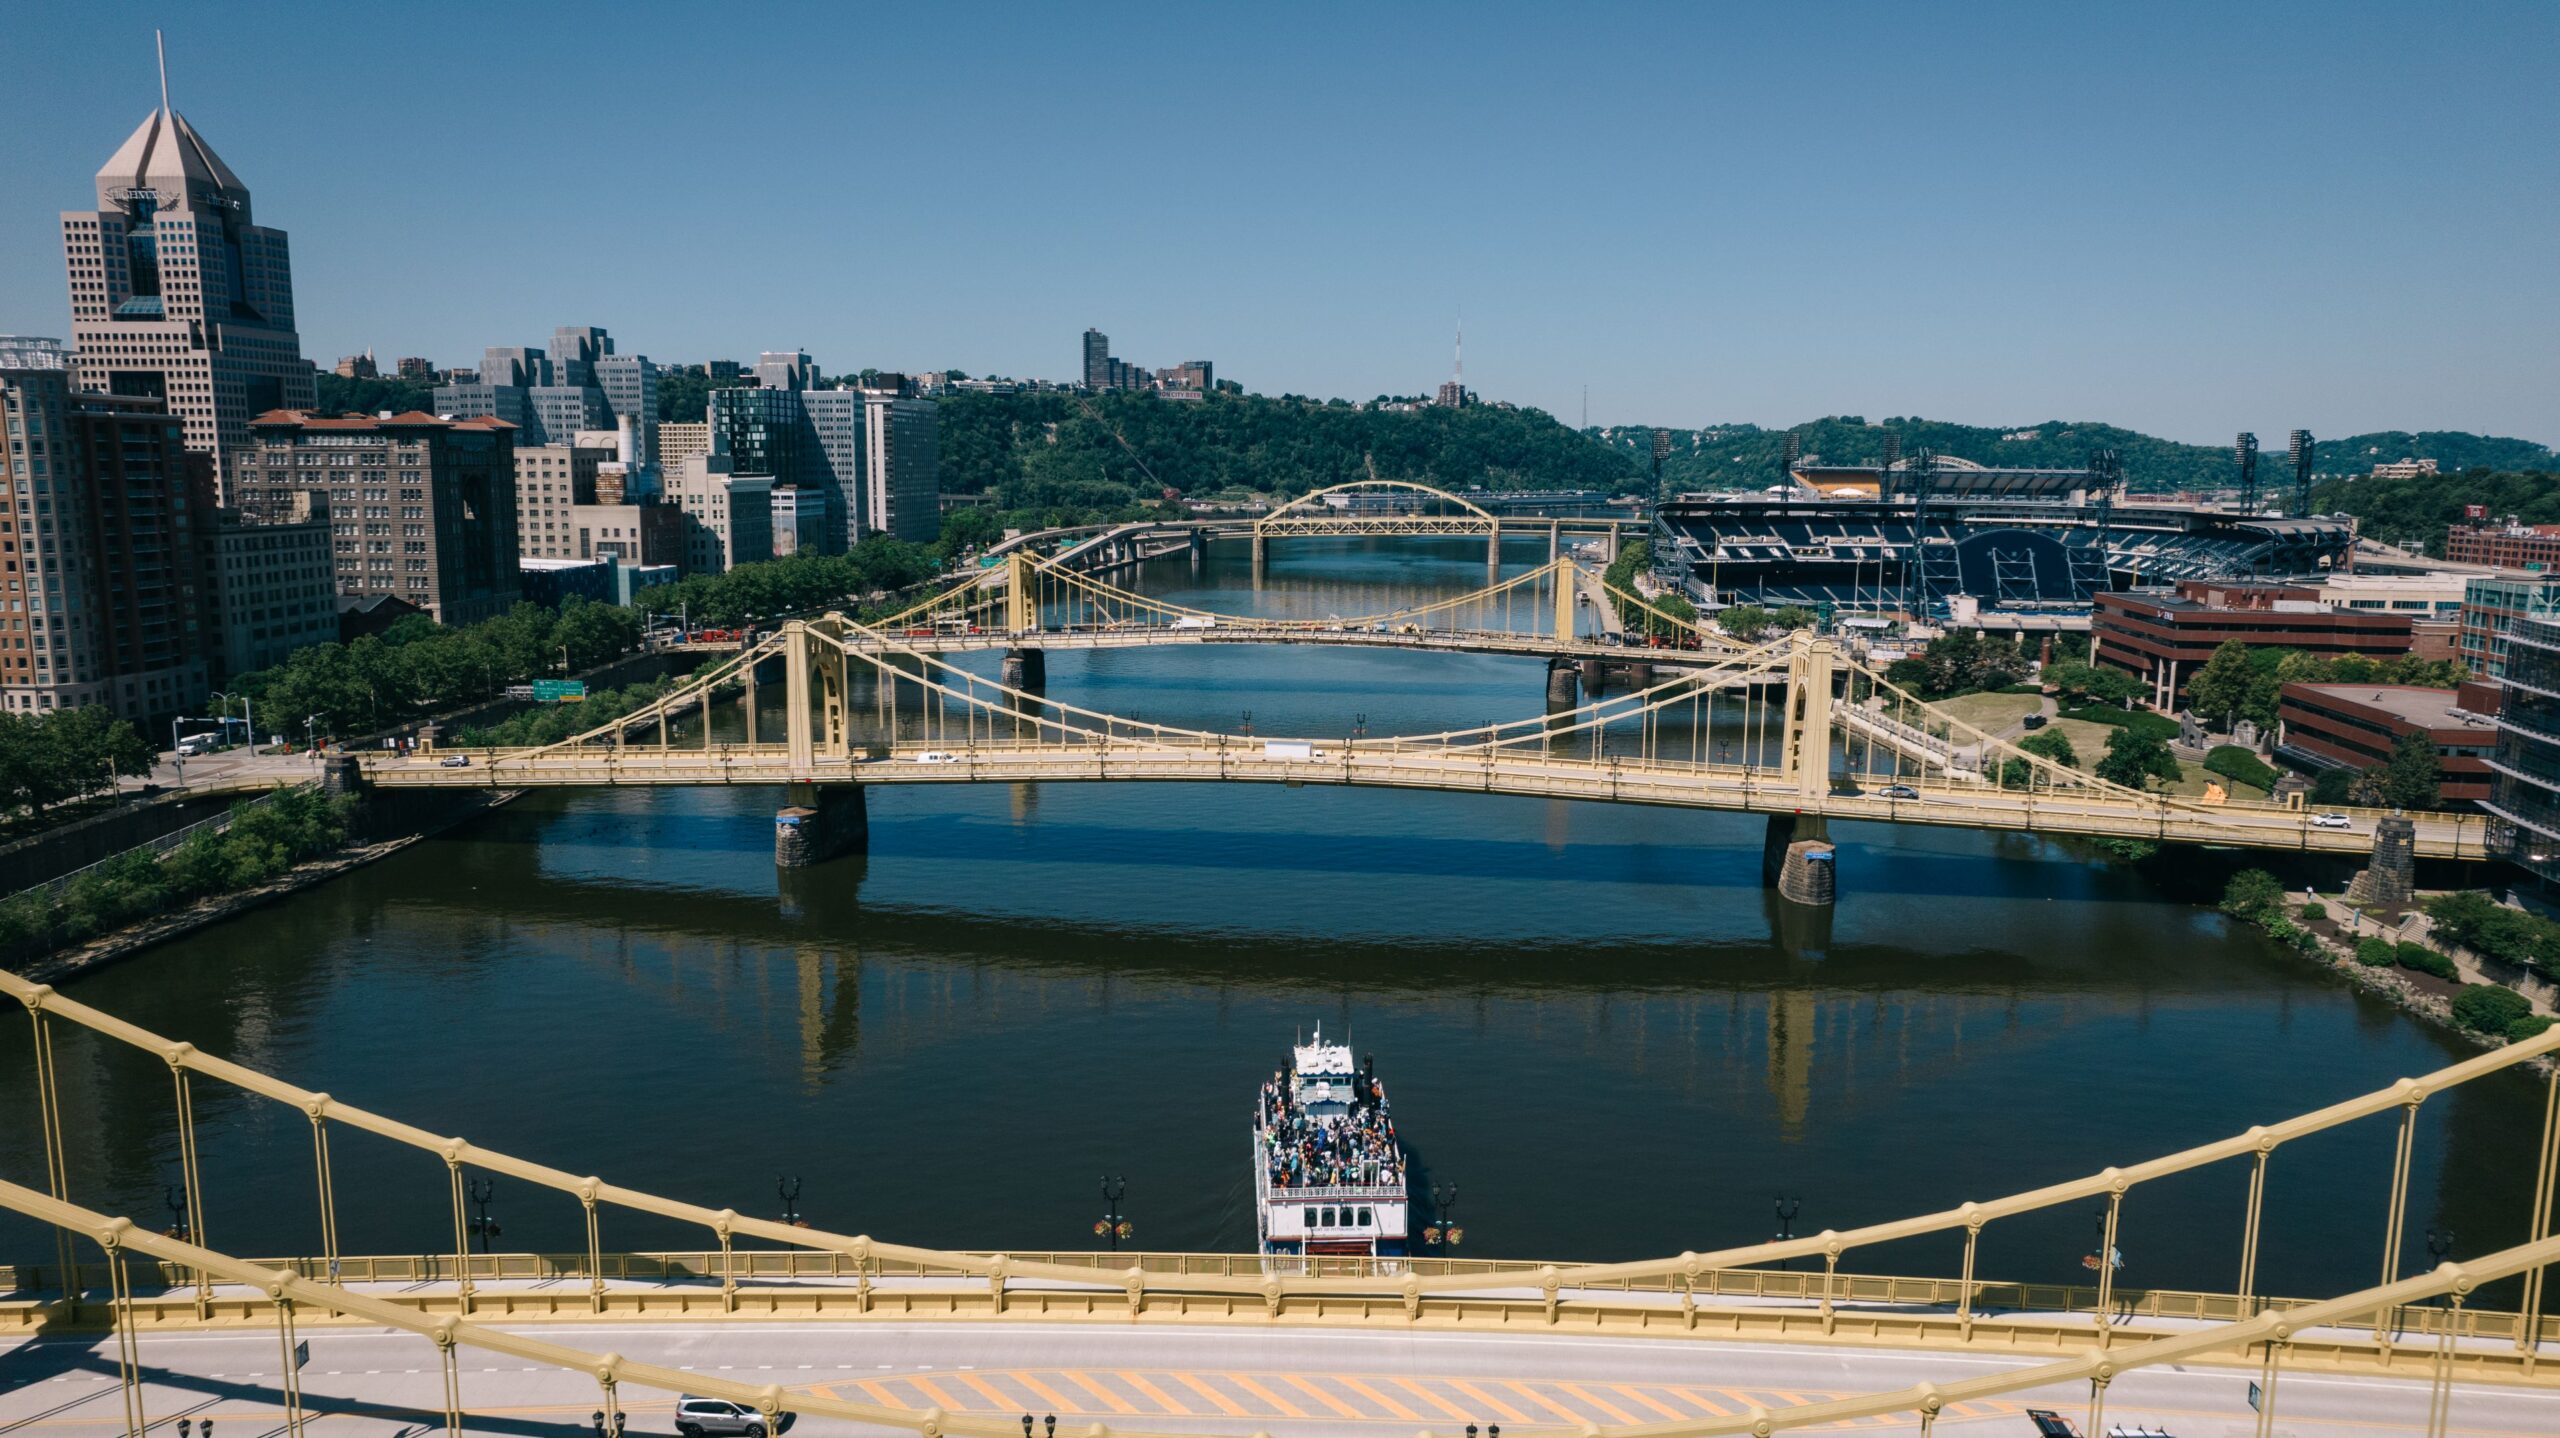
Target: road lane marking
x: 1002, y: 1403
x: 1047, y: 1394
x: 1665, y: 1409
x: 1154, y: 1395
x: 879, y: 1395
x: 1327, y: 1399
x: 1426, y: 1395
x: 1118, y: 1403
x: 1394, y: 1409
x: 1579, y: 1394
x: 1543, y: 1401
x: 1287, y: 1408
x: 1501, y: 1409
x: 940, y: 1399
x: 1231, y: 1407
x: 1691, y: 1395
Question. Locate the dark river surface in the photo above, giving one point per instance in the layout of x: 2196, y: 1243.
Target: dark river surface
x: 1591, y: 1019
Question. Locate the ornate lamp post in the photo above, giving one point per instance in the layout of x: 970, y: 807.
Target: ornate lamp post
x: 1441, y: 1233
x: 788, y: 1190
x: 1112, y: 1224
x: 483, y: 1227
x: 1788, y: 1206
x: 178, y: 1229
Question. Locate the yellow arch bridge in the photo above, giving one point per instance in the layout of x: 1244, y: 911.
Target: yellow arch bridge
x: 1675, y: 715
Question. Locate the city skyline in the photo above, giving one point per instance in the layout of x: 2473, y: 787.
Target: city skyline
x: 2184, y: 224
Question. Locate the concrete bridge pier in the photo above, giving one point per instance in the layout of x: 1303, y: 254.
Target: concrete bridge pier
x: 1199, y: 551
x: 1638, y: 676
x: 820, y: 822
x: 2390, y: 881
x: 1595, y: 676
x: 1564, y: 684
x: 342, y: 777
x: 1555, y: 540
x: 1025, y: 668
x: 1798, y: 860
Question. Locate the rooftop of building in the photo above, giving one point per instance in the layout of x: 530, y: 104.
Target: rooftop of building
x: 411, y: 419
x: 2427, y: 708
x: 165, y: 154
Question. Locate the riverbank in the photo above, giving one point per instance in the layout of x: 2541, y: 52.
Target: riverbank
x: 135, y: 938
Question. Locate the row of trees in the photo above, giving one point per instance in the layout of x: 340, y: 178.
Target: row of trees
x: 1620, y: 576
x: 419, y: 667
x: 66, y: 754
x: 1037, y: 453
x: 2241, y: 682
x: 265, y: 838
x: 877, y: 566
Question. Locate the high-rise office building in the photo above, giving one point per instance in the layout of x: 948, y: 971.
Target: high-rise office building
x: 786, y: 369
x: 832, y: 468
x: 575, y: 349
x: 420, y: 508
x: 1097, y: 361
x: 106, y: 519
x: 630, y: 385
x: 177, y: 296
x: 33, y: 352
x: 902, y: 466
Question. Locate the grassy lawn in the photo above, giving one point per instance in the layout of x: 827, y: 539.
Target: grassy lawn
x: 2088, y: 740
x: 2193, y: 777
x: 1992, y: 713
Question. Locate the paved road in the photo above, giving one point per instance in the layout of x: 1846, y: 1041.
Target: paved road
x: 370, y: 1384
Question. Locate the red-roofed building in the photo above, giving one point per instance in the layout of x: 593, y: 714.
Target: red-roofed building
x: 420, y: 508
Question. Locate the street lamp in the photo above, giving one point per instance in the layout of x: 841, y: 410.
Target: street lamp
x: 1788, y: 1206
x: 1112, y: 1225
x: 1440, y: 1232
x: 177, y: 1201
x: 788, y: 1190
x: 1048, y: 1430
x: 482, y: 1226
x: 248, y: 715
x: 598, y: 1419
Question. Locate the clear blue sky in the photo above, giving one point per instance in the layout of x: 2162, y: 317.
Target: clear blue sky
x: 2190, y: 219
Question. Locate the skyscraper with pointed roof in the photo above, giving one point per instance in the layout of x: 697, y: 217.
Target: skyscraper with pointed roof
x: 176, y: 295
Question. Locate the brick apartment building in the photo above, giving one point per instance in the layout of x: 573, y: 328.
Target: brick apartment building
x: 2164, y: 638
x: 2356, y: 726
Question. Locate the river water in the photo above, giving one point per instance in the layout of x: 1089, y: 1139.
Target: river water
x: 1590, y: 1019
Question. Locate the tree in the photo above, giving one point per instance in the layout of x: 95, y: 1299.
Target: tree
x: 2219, y: 690
x: 2134, y: 759
x: 2052, y: 744
x: 2414, y: 776
x: 2333, y: 787
x: 2489, y: 1008
x: 2251, y: 894
x: 1745, y: 622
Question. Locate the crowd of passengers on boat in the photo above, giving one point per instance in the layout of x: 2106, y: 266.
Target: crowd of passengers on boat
x: 1357, y: 1148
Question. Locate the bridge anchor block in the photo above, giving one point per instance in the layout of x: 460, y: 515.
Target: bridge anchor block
x: 1025, y: 668
x: 1564, y: 684
x: 820, y: 822
x: 2391, y: 880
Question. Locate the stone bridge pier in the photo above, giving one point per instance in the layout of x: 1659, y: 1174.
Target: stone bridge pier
x: 2390, y: 881
x: 820, y: 822
x: 1025, y: 667
x: 1798, y: 860
x: 1564, y: 684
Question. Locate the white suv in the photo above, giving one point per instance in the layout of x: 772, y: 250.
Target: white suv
x: 706, y: 1417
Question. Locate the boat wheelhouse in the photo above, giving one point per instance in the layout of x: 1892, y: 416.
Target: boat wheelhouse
x: 1328, y: 1172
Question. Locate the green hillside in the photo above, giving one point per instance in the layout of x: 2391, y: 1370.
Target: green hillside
x: 1747, y: 456
x: 1044, y: 452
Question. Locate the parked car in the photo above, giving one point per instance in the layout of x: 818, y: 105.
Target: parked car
x: 711, y: 1417
x: 2035, y: 721
x: 2331, y: 821
x: 1899, y: 791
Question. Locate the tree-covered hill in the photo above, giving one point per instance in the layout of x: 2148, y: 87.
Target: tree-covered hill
x: 1048, y: 451
x: 1747, y: 456
x: 2413, y: 512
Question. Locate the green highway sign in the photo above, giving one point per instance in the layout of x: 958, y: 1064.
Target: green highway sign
x: 559, y: 691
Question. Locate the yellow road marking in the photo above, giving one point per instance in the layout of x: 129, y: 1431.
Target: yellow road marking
x: 1500, y: 1408
x: 1327, y: 1399
x: 1665, y: 1409
x: 1287, y: 1408
x: 1232, y: 1407
x: 1047, y: 1394
x: 1427, y: 1396
x: 1543, y: 1401
x: 1154, y: 1395
x: 1691, y: 1395
x: 879, y: 1394
x: 1394, y: 1409
x: 1001, y: 1402
x: 1118, y: 1403
x: 1578, y: 1393
x: 940, y: 1399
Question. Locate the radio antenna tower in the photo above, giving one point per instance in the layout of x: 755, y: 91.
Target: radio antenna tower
x: 162, y: 46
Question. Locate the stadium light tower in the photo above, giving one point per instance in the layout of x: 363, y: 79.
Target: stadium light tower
x: 1787, y: 460
x: 2301, y: 473
x: 1884, y: 471
x: 2245, y: 450
x: 1922, y: 473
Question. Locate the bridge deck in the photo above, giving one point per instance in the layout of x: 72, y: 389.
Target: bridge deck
x: 1381, y: 764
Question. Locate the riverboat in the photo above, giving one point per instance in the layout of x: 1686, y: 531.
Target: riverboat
x: 1328, y: 1171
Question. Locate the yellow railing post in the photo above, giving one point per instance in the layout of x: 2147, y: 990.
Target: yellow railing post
x: 2107, y: 1259
x: 2266, y: 1147
x: 1964, y: 1296
x: 461, y: 1227
x: 1568, y: 580
x: 595, y: 1244
x: 49, y: 1119
x: 318, y: 1109
x: 2547, y: 1176
x: 187, y: 1175
x: 292, y: 1369
x: 2395, y: 1222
